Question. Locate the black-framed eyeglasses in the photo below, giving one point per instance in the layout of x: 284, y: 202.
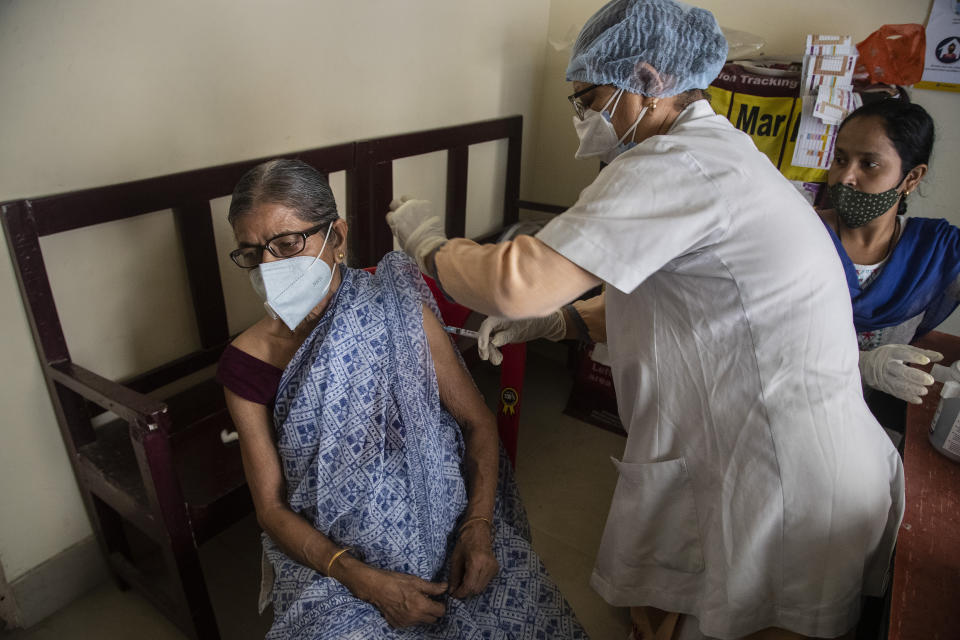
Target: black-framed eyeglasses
x: 285, y: 245
x: 578, y: 107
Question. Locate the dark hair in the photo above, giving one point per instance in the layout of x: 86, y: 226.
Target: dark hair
x: 288, y: 182
x: 908, y: 126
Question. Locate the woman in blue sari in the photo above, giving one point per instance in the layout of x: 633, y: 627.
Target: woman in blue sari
x: 387, y: 508
x: 902, y: 272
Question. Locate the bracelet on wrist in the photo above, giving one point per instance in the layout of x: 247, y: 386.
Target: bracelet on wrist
x: 470, y: 521
x: 336, y: 557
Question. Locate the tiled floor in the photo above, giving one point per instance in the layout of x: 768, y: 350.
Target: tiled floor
x: 565, y: 479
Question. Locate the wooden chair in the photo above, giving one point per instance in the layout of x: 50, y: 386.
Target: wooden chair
x: 157, y: 481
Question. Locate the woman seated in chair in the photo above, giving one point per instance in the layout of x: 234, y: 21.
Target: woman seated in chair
x: 374, y: 465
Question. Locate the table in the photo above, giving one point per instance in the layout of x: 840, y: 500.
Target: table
x: 925, y: 602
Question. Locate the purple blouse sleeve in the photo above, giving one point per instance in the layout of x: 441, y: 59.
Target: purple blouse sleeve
x: 250, y: 378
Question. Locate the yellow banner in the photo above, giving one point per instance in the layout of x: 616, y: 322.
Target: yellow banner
x: 772, y: 122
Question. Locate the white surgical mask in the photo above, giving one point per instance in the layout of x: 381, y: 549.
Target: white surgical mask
x: 292, y: 287
x: 598, y: 138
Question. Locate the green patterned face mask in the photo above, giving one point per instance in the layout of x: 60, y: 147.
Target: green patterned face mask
x: 857, y: 208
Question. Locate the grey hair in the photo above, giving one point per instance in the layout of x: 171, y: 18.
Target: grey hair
x: 288, y: 182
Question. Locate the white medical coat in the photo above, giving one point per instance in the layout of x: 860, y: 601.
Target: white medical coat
x: 756, y: 489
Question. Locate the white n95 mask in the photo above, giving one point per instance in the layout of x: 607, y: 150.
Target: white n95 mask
x: 292, y: 287
x: 598, y: 138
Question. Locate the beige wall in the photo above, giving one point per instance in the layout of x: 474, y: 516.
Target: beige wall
x: 558, y: 178
x: 111, y: 90
x: 104, y: 91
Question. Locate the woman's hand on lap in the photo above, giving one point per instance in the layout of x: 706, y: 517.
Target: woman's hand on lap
x: 404, y: 600
x: 473, y: 564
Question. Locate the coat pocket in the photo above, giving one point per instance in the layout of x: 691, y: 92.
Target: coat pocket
x: 653, y: 518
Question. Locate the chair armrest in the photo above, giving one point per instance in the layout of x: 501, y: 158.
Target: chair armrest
x: 134, y: 407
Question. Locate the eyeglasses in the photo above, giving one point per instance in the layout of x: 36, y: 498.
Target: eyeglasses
x: 578, y: 107
x: 284, y: 245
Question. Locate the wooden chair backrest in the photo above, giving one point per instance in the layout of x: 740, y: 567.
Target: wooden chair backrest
x: 369, y: 178
x: 373, y: 180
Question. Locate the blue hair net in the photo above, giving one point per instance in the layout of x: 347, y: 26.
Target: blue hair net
x: 626, y: 41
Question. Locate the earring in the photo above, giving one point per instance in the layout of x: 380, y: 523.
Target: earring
x: 907, y: 193
x: 340, y: 257
x: 654, y: 105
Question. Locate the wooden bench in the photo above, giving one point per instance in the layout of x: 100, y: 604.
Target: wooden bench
x: 156, y: 480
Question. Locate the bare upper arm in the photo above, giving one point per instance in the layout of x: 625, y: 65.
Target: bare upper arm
x: 261, y: 462
x: 458, y: 394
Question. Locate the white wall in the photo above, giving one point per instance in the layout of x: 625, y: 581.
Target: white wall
x: 104, y: 91
x: 558, y: 178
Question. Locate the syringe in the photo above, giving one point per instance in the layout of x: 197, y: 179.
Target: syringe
x: 466, y: 333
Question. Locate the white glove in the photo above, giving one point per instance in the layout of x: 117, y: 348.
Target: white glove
x: 885, y: 368
x: 496, y: 332
x: 418, y: 231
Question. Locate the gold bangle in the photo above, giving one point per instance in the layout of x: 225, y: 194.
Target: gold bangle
x: 334, y: 559
x: 470, y: 521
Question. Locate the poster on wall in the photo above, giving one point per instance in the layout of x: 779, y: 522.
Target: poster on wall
x: 941, y: 66
x: 762, y: 100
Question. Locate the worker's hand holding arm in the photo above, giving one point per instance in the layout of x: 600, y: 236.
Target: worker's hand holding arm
x: 522, y: 278
x: 419, y: 232
x: 886, y: 368
x: 520, y: 284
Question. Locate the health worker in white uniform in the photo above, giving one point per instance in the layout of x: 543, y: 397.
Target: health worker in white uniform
x: 756, y: 493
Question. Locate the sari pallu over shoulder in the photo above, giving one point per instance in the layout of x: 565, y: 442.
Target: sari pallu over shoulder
x: 370, y: 458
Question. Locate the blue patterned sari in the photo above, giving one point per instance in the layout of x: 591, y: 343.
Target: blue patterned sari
x: 372, y: 460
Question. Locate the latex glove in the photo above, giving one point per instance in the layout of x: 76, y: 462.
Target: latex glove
x: 418, y: 231
x: 496, y: 332
x: 885, y: 368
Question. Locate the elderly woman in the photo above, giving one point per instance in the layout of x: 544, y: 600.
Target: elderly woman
x: 371, y: 457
